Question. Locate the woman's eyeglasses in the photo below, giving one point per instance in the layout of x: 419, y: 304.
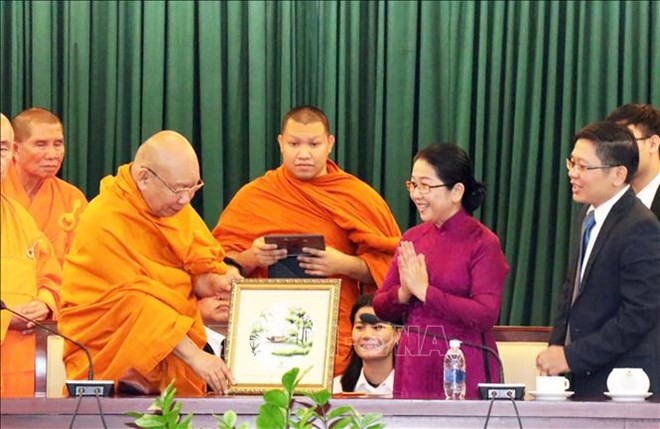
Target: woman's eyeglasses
x: 423, y: 187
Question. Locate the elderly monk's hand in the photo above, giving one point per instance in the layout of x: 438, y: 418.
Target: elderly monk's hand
x: 552, y: 361
x: 209, y: 367
x: 213, y: 371
x: 213, y: 284
x: 213, y: 310
x: 35, y: 309
x: 413, y: 274
x: 227, y: 279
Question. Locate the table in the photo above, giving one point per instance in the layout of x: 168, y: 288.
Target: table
x: 57, y: 413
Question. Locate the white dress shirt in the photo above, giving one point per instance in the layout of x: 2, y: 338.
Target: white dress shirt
x: 600, y: 214
x: 214, y: 339
x: 647, y: 193
x: 385, y: 388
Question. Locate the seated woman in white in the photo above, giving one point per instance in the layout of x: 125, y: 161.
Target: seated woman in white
x: 371, y: 368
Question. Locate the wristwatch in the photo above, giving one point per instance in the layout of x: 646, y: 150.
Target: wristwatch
x: 229, y: 261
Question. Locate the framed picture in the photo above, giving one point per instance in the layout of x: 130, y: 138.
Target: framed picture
x: 279, y: 324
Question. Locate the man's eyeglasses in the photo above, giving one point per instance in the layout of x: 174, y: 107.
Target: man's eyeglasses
x: 639, y: 139
x: 423, y: 187
x: 571, y: 164
x: 177, y: 191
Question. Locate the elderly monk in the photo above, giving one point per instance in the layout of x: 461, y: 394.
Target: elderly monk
x: 30, y: 283
x: 140, y: 259
x: 53, y: 203
x: 309, y: 193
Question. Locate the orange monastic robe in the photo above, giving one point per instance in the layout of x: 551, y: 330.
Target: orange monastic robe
x: 127, y: 293
x: 56, y: 208
x: 353, y: 218
x: 29, y: 271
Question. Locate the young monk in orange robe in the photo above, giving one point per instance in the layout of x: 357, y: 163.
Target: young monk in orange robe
x: 140, y: 258
x: 53, y: 203
x: 310, y: 194
x: 30, y: 279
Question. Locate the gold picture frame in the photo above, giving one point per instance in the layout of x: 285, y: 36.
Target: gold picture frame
x: 277, y: 324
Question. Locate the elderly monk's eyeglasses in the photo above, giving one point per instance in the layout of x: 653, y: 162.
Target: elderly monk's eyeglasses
x: 571, y: 164
x: 176, y: 191
x: 423, y: 187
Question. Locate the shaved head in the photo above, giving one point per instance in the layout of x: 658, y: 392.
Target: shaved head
x: 6, y: 129
x: 30, y: 120
x: 38, y: 147
x: 167, y: 149
x: 166, y: 171
x: 6, y: 142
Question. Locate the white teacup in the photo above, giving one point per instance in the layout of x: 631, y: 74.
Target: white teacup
x: 628, y: 380
x: 551, y: 384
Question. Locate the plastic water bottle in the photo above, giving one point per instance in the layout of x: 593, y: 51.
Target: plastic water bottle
x: 454, y: 376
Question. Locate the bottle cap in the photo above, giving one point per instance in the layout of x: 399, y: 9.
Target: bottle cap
x: 454, y: 343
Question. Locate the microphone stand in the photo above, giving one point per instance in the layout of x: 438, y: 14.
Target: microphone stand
x: 89, y: 387
x: 79, y: 388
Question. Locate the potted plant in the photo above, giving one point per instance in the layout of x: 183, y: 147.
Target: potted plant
x: 280, y: 410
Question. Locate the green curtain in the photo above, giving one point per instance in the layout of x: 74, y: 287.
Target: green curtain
x: 509, y: 81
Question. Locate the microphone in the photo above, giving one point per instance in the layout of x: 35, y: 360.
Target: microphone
x: 90, y: 387
x: 499, y: 390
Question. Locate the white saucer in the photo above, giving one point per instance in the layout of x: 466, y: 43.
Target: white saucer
x: 628, y: 397
x: 551, y: 396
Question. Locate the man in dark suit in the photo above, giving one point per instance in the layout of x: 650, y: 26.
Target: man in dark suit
x: 643, y: 120
x: 609, y: 316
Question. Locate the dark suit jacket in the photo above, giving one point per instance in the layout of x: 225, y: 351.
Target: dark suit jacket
x: 655, y: 204
x: 615, y: 319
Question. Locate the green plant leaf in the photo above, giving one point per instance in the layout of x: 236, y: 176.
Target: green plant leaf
x: 186, y: 423
x: 343, y: 422
x: 270, y: 417
x: 342, y: 411
x: 371, y: 420
x: 171, y: 420
x: 168, y: 397
x: 177, y: 408
x: 303, y: 374
x: 134, y: 414
x: 289, y: 379
x: 151, y: 421
x: 306, y: 415
x: 321, y: 397
x: 299, y: 412
x: 276, y: 398
x: 172, y: 415
x: 302, y: 426
x: 227, y: 420
x: 371, y: 417
x: 156, y: 406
